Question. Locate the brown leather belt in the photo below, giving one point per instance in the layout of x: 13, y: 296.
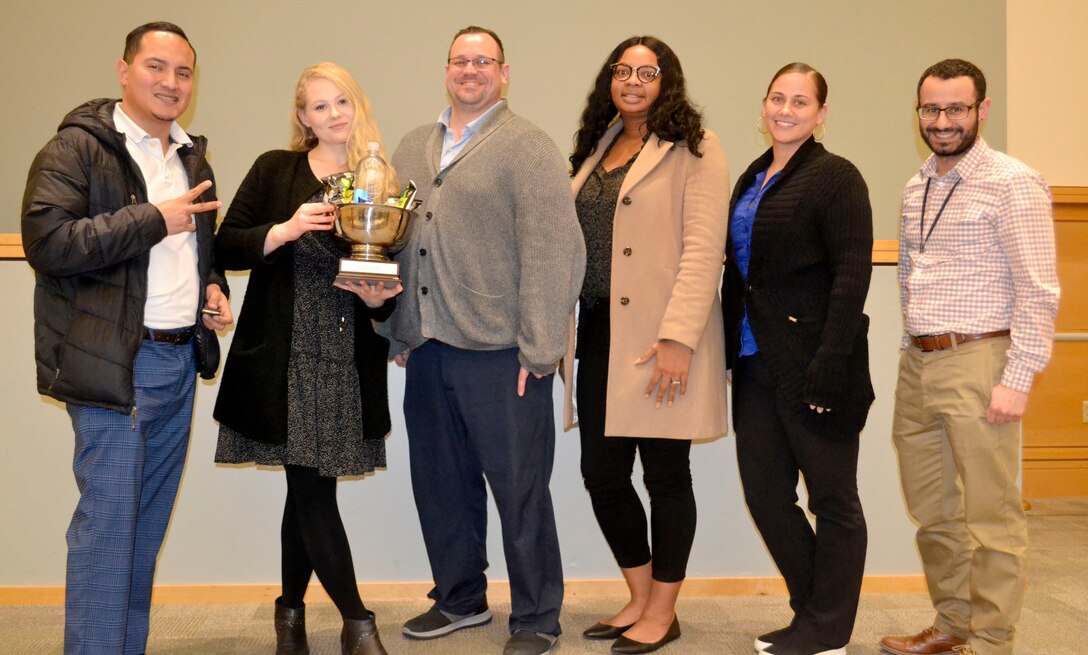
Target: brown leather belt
x: 930, y: 342
x: 175, y: 337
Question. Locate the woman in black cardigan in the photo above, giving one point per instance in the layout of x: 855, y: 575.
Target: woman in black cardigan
x: 796, y: 277
x: 304, y: 385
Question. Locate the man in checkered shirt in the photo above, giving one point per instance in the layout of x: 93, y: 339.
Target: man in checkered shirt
x: 979, y: 293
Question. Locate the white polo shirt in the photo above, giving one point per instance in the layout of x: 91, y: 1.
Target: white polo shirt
x: 173, y: 285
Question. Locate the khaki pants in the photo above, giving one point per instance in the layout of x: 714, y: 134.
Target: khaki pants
x: 959, y: 479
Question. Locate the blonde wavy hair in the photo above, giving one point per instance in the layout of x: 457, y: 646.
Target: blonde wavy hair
x: 363, y: 130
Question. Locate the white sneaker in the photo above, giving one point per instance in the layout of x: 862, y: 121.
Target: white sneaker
x: 833, y: 651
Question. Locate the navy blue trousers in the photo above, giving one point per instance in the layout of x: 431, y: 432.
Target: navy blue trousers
x: 466, y: 424
x: 127, y: 469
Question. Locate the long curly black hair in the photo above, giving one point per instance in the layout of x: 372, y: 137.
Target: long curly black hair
x: 672, y: 117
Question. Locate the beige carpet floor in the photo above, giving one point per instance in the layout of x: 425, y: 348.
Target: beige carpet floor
x: 1054, y: 622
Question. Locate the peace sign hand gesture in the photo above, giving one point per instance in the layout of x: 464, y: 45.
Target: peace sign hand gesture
x: 178, y: 212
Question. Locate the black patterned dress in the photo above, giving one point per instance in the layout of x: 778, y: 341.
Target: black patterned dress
x: 324, y: 413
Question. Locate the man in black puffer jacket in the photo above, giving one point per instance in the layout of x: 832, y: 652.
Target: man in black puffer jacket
x: 118, y: 222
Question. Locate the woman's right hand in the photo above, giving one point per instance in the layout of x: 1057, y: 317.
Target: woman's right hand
x: 309, y: 217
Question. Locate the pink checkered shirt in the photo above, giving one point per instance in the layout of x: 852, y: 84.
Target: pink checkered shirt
x: 989, y: 263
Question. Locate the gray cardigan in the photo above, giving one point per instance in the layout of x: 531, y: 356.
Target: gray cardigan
x: 496, y: 256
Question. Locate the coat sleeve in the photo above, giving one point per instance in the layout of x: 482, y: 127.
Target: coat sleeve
x: 846, y: 230
x: 64, y: 230
x: 239, y: 244
x: 704, y: 223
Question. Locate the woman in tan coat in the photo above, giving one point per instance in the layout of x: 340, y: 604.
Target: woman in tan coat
x: 652, y: 197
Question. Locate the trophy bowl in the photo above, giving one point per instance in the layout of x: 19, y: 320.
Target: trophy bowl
x: 374, y: 232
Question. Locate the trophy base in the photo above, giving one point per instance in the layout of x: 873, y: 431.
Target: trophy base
x: 364, y: 271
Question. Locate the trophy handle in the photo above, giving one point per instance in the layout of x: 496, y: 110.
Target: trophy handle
x: 336, y: 222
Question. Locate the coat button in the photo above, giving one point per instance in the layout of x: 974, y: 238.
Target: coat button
x: 624, y: 300
x: 429, y: 215
x: 423, y: 291
x: 422, y: 252
x: 437, y: 182
x: 626, y: 252
x: 627, y: 200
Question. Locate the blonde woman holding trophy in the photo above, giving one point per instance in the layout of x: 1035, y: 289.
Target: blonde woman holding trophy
x: 304, y: 385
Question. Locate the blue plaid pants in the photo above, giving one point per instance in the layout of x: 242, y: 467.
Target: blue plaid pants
x: 127, y: 469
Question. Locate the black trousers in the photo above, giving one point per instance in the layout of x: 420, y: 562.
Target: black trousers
x: 607, y: 463
x: 823, y: 567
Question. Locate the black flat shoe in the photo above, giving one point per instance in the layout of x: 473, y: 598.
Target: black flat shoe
x: 605, y: 631
x: 625, y: 646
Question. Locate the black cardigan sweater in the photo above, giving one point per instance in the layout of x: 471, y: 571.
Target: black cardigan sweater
x: 253, y: 391
x: 808, y: 276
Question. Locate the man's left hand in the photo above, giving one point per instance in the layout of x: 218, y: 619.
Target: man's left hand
x: 217, y: 301
x: 1006, y: 405
x: 522, y: 377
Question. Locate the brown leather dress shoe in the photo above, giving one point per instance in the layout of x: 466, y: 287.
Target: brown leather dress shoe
x: 930, y: 641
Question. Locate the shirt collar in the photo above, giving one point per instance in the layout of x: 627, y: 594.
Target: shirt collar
x: 472, y: 126
x: 136, y: 134
x: 965, y: 166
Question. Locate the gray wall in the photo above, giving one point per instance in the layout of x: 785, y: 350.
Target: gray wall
x: 54, y: 55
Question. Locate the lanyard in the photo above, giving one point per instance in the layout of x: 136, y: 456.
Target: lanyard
x: 922, y: 234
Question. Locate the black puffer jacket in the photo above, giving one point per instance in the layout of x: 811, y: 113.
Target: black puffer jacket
x: 87, y: 231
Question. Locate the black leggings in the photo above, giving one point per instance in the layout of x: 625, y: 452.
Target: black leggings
x: 313, y: 539
x: 607, y: 464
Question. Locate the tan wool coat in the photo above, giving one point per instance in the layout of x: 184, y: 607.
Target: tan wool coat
x: 667, y: 247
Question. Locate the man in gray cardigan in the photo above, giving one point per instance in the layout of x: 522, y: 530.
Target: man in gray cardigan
x: 491, y: 274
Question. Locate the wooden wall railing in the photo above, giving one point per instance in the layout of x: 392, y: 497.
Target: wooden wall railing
x: 11, y: 246
x: 885, y: 252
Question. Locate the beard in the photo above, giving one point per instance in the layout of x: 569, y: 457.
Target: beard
x: 967, y: 135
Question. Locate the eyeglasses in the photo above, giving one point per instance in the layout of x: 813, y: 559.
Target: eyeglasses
x: 645, y: 74
x: 477, y: 62
x: 953, y: 112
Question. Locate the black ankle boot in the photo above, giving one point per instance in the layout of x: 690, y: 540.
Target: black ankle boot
x: 360, y: 637
x: 291, y: 630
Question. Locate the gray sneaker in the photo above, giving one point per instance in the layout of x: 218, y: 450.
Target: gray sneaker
x: 527, y: 642
x: 435, y: 623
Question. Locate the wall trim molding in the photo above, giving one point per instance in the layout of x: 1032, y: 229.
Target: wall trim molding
x: 11, y: 246
x: 1069, y: 195
x: 224, y: 594
x: 885, y: 252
